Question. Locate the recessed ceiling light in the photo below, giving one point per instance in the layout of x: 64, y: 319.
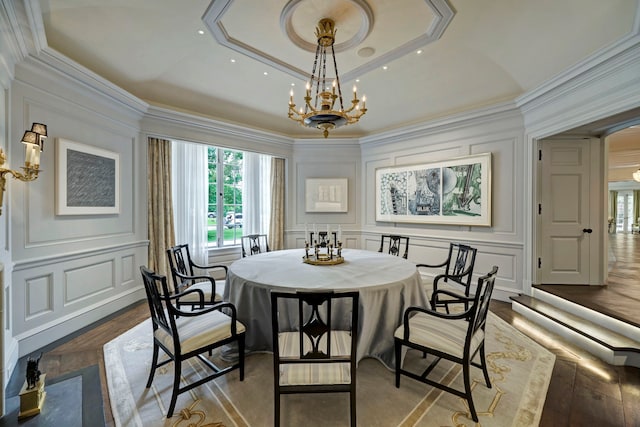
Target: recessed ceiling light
x: 357, y: 80
x: 366, y: 52
x: 265, y: 73
x: 201, y: 32
x: 233, y: 60
x: 419, y: 51
x: 293, y: 84
x: 385, y: 67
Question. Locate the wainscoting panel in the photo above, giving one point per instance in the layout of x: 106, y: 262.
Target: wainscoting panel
x: 129, y: 269
x: 88, y: 280
x: 56, y: 296
x: 39, y: 296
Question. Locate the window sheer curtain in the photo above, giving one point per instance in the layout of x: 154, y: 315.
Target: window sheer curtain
x: 190, y: 185
x: 159, y: 203
x: 256, y: 196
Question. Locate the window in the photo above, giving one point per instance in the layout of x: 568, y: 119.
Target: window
x: 224, y: 216
x: 624, y: 218
x: 219, y: 194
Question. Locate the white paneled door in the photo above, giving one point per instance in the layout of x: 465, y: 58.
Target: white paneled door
x: 567, y: 237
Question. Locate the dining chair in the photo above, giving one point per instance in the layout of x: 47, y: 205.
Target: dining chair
x: 323, y: 239
x: 184, y: 274
x: 393, y: 245
x: 253, y: 244
x: 455, y: 337
x: 183, y: 335
x: 320, y: 355
x: 457, y: 275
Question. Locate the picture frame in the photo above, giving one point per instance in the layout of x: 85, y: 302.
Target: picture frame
x: 326, y: 195
x: 87, y: 179
x: 455, y: 191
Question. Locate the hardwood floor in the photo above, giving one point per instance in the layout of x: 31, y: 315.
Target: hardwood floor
x: 620, y: 299
x: 583, y: 390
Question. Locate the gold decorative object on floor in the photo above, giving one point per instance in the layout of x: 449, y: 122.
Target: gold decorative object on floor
x: 323, y: 255
x: 31, y: 399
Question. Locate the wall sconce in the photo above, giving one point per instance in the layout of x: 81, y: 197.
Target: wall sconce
x: 34, y: 144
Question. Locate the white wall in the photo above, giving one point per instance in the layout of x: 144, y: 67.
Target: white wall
x: 498, y: 131
x: 326, y: 158
x: 70, y: 271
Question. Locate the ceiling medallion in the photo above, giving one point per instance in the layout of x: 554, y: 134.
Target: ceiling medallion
x: 319, y: 109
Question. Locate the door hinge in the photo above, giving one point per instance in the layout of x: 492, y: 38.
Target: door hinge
x: 539, y: 208
x: 539, y: 262
x: 539, y: 155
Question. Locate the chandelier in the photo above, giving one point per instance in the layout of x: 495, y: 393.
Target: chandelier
x: 320, y: 109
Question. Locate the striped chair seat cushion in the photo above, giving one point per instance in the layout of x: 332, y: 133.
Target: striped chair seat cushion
x: 205, y: 287
x: 314, y: 373
x: 199, y: 331
x: 445, y: 335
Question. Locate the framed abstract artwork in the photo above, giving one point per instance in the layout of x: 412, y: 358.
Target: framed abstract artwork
x: 456, y: 191
x: 87, y: 179
x: 326, y: 194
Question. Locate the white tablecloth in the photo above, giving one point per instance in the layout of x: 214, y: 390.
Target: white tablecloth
x: 387, y: 286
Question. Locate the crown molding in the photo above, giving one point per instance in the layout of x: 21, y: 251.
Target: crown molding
x: 56, y: 61
x: 215, y: 127
x: 478, y: 116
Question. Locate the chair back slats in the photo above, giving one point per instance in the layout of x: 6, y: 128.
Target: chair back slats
x: 315, y: 322
x: 180, y: 262
x: 253, y: 244
x: 315, y: 327
x: 460, y: 262
x: 394, y: 245
x: 482, y: 300
x: 153, y: 286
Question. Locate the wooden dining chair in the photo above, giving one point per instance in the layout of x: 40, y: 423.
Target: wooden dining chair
x: 185, y: 334
x: 392, y: 244
x: 253, y: 244
x: 320, y: 355
x: 186, y: 274
x: 457, y: 275
x: 454, y: 337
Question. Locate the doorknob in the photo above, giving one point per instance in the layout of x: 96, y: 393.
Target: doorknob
x: 587, y: 230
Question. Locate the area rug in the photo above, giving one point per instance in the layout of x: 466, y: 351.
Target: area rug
x: 520, y: 371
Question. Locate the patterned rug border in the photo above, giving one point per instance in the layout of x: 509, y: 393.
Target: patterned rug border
x: 528, y: 412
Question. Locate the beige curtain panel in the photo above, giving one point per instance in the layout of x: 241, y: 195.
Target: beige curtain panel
x: 276, y: 225
x: 160, y: 215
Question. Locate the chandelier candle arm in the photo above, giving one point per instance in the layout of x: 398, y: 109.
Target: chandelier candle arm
x: 320, y: 110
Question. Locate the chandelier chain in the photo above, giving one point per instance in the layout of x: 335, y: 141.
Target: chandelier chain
x: 320, y: 113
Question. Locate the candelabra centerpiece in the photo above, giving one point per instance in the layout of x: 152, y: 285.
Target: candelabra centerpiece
x: 323, y: 255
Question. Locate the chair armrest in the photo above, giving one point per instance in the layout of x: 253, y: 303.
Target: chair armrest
x: 178, y: 295
x: 457, y: 297
x: 432, y: 265
x: 194, y: 278
x: 430, y: 312
x: 209, y: 267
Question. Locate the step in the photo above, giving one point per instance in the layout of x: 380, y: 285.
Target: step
x: 623, y: 328
x: 604, y: 343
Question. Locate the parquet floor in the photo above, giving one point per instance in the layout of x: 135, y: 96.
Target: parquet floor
x: 583, y: 391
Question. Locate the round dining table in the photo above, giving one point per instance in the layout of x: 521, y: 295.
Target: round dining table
x: 386, y: 284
